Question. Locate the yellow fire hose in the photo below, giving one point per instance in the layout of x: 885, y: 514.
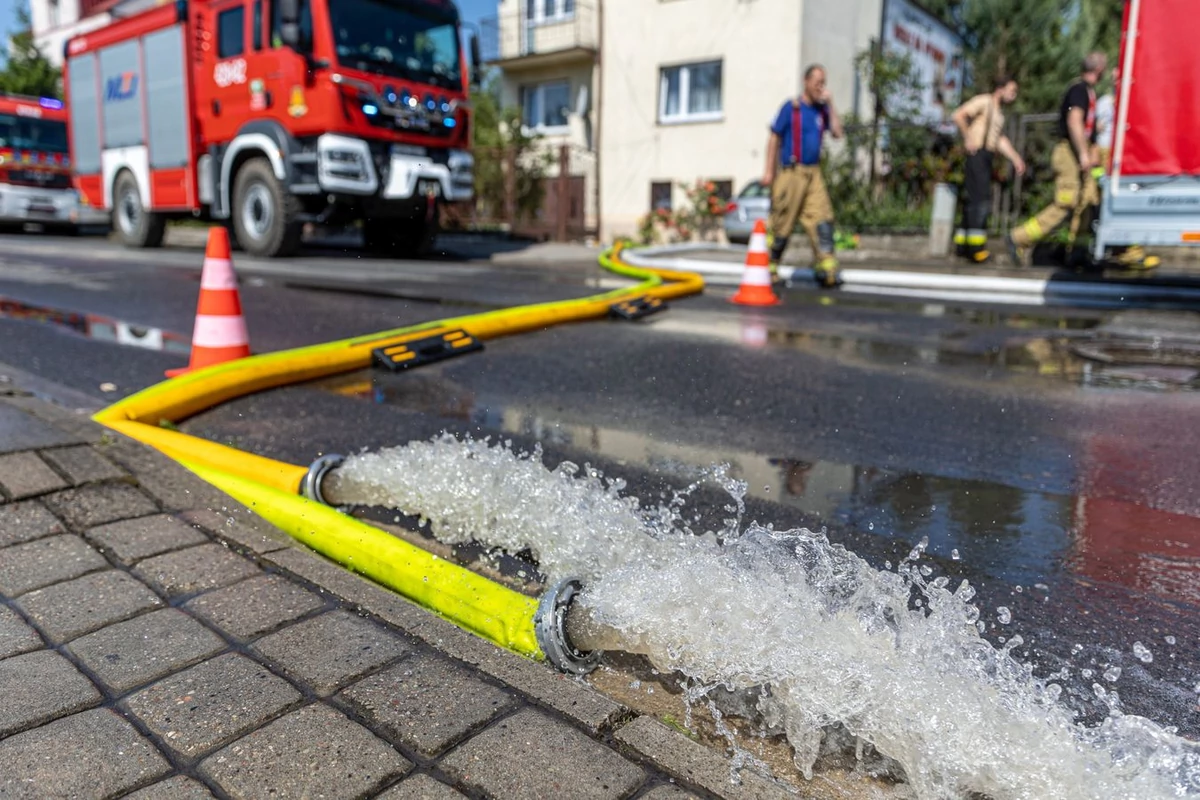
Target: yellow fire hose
x: 271, y: 488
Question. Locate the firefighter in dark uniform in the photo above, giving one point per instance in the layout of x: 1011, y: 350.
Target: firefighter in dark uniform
x: 1075, y: 188
x: 981, y: 122
x: 793, y: 172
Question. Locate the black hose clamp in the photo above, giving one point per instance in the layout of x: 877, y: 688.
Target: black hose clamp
x: 549, y: 625
x: 310, y: 486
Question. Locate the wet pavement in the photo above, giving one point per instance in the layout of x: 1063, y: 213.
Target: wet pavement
x: 1048, y: 455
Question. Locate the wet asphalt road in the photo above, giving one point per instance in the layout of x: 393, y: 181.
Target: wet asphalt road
x: 1062, y: 487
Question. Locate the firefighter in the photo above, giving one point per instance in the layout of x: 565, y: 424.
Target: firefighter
x: 793, y: 172
x: 981, y: 122
x: 1072, y: 160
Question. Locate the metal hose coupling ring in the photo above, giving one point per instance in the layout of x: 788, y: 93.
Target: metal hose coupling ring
x: 549, y: 625
x: 310, y: 487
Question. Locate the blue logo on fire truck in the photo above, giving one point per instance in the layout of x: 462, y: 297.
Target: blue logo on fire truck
x: 121, y: 87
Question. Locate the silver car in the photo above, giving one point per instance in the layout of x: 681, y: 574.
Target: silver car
x: 752, y: 204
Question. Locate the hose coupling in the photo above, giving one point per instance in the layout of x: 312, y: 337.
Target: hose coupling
x: 310, y: 486
x: 550, y: 627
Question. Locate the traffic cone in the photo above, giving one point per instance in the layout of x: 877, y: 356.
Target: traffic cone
x: 220, y: 331
x: 756, y: 289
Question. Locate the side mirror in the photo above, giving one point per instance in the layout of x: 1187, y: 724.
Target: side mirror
x: 476, y: 61
x: 289, y: 23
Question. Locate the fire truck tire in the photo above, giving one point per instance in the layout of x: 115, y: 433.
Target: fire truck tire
x: 135, y: 226
x: 264, y: 215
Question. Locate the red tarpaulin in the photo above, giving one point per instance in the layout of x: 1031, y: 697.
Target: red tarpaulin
x: 1162, y: 134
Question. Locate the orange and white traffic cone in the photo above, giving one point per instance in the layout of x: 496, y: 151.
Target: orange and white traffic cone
x: 756, y: 289
x: 220, y: 331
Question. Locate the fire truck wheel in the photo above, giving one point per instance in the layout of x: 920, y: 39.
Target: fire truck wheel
x: 264, y: 215
x: 135, y: 226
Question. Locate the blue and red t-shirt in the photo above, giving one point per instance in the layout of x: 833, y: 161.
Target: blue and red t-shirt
x: 811, y: 122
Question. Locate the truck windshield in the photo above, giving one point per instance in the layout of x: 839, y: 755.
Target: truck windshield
x: 405, y: 39
x: 28, y: 133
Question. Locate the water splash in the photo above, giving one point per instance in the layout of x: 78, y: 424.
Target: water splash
x: 823, y: 640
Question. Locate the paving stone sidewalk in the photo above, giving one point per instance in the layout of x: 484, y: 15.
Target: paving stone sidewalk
x: 157, y: 640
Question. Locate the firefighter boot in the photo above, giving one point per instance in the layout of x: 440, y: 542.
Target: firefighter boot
x: 775, y: 249
x: 1018, y: 253
x: 826, y: 269
x: 1134, y: 257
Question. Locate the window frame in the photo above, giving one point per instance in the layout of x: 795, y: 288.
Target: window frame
x: 539, y: 16
x: 537, y: 90
x: 686, y: 115
x: 240, y: 10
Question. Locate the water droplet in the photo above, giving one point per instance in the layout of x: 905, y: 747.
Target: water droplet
x: 1004, y: 615
x: 954, y: 556
x: 1076, y: 649
x: 1112, y: 674
x: 1019, y: 588
x: 1169, y: 639
x: 1142, y: 652
x: 1087, y: 673
x: 870, y: 526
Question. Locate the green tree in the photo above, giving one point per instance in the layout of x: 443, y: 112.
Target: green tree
x: 500, y: 141
x: 25, y: 69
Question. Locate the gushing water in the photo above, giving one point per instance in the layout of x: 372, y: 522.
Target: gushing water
x: 817, y: 635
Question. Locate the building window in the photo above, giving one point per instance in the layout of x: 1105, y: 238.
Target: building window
x: 231, y: 32
x: 54, y: 19
x: 690, y: 93
x: 660, y: 196
x: 306, y: 36
x: 545, y: 106
x: 723, y: 190
x: 549, y: 10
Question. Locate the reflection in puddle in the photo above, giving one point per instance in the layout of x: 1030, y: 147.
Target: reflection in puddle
x: 1021, y: 536
x: 92, y: 326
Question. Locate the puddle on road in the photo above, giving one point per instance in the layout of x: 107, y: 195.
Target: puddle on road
x: 1062, y: 348
x: 96, y: 327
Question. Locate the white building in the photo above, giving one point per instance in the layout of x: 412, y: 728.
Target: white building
x: 666, y: 92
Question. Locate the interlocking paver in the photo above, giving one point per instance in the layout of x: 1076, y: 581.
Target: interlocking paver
x: 131, y: 653
x: 420, y: 787
x: 532, y: 755
x: 66, y: 610
x: 83, y: 464
x: 177, y: 788
x: 25, y: 475
x: 99, y: 503
x: 24, y: 522
x: 313, y: 752
x: 21, y: 431
x: 174, y: 487
x: 15, y: 636
x: 255, y: 606
x: 132, y: 540
x: 211, y: 703
x: 693, y: 762
x: 39, y: 563
x: 196, y: 569
x: 241, y: 526
x: 38, y: 687
x: 427, y: 703
x: 92, y: 754
x: 329, y: 651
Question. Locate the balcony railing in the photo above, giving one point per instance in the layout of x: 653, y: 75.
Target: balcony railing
x: 516, y: 34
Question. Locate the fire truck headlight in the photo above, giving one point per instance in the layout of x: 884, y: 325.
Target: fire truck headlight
x: 370, y: 110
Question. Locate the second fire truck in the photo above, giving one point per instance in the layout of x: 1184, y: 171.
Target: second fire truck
x: 272, y: 113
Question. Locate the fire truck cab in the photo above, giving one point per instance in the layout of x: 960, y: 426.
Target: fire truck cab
x: 35, y: 170
x: 269, y: 114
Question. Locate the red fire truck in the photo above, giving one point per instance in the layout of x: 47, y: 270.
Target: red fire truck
x: 35, y: 169
x: 269, y: 114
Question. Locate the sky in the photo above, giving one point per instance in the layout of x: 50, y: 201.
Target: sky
x: 8, y: 17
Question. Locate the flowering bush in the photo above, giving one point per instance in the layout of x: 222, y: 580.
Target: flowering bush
x: 699, y: 218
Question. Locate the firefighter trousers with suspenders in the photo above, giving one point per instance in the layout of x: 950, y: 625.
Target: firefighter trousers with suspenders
x: 799, y: 194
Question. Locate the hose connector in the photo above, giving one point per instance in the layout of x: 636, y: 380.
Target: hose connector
x: 310, y: 486
x: 550, y: 626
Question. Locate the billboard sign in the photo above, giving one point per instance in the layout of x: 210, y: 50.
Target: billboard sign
x: 936, y: 53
